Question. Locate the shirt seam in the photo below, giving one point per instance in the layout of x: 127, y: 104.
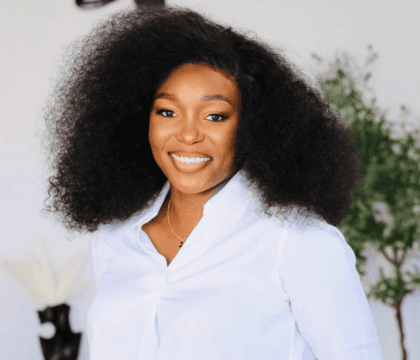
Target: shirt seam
x: 280, y: 250
x: 93, y: 261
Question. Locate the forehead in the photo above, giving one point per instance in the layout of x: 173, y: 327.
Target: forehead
x: 200, y: 69
x: 199, y: 78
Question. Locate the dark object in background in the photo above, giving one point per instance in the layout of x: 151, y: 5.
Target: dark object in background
x: 150, y: 2
x: 64, y: 345
x: 91, y: 4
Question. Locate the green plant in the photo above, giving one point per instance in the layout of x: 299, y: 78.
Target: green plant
x: 384, y: 222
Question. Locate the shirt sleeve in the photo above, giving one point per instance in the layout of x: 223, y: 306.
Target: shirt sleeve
x: 326, y: 296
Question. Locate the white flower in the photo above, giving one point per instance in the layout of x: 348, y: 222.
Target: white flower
x: 51, y: 282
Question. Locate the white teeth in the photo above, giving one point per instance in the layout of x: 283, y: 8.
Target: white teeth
x: 190, y: 160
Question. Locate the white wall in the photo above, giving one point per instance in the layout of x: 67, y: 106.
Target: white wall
x: 33, y: 36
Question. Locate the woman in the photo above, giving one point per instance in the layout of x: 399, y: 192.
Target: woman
x: 211, y: 178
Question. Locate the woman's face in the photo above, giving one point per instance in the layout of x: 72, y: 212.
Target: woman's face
x: 195, y: 115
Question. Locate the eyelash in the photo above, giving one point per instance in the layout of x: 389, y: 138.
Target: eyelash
x: 224, y: 117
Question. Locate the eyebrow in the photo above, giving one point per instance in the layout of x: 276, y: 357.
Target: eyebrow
x: 202, y: 97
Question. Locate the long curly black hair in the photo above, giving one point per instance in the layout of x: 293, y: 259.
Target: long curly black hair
x: 291, y: 145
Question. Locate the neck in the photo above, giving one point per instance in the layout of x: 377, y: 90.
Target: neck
x: 187, y: 209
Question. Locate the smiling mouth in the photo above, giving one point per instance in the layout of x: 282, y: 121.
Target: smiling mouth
x: 192, y: 160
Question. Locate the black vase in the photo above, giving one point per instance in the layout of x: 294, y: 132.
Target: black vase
x: 64, y: 345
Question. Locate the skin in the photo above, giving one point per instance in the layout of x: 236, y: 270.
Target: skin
x: 191, y: 125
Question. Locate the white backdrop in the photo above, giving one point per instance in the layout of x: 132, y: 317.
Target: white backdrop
x: 33, y: 35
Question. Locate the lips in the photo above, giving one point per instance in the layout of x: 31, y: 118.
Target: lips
x: 189, y: 167
x: 190, y: 154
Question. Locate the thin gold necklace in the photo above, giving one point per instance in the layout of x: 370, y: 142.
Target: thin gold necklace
x: 171, y: 226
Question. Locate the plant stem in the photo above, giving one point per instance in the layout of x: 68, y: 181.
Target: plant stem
x: 400, y: 326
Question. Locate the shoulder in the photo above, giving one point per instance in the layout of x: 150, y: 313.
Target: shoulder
x: 314, y: 247
x: 310, y: 238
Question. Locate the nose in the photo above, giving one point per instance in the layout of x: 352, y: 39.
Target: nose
x: 190, y: 132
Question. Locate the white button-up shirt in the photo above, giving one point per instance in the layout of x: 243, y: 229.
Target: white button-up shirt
x: 242, y: 287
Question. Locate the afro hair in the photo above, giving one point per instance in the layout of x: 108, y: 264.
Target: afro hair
x: 294, y: 149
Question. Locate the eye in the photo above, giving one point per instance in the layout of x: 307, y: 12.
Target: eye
x: 223, y: 117
x: 162, y: 111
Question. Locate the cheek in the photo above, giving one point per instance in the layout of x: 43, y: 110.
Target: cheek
x: 228, y: 142
x: 155, y: 135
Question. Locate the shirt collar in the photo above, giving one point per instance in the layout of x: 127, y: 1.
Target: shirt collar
x: 231, y: 201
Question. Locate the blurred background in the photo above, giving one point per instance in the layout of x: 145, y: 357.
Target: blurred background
x: 33, y: 36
